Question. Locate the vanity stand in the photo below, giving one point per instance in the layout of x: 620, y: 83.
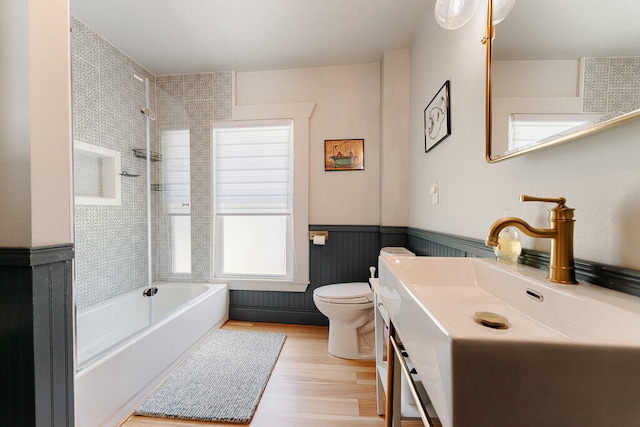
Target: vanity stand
x: 406, y: 388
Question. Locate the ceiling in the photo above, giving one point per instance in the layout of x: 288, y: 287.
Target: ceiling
x: 189, y: 36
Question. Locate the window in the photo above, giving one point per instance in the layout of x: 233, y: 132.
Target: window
x: 296, y: 262
x: 527, y: 129
x: 176, y: 191
x: 253, y: 194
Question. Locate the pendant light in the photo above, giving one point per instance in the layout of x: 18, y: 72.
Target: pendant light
x: 501, y: 9
x: 453, y: 14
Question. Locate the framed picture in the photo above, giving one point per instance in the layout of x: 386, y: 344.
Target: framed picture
x: 437, y: 118
x: 343, y: 154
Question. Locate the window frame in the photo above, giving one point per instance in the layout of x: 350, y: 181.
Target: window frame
x: 171, y: 209
x: 300, y: 114
x: 219, y: 218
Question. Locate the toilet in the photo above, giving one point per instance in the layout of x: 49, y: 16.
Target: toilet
x: 349, y: 307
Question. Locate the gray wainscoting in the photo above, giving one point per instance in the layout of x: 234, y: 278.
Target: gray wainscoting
x: 428, y: 243
x: 351, y: 250
x: 36, y: 336
x: 346, y: 257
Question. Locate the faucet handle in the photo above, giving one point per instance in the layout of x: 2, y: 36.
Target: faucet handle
x: 560, y: 200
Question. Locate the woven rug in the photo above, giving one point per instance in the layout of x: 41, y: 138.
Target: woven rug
x: 222, y: 380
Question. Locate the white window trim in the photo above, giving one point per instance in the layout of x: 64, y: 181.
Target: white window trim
x: 300, y: 113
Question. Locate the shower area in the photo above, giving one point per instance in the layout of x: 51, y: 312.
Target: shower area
x: 142, y: 178
x: 132, y: 217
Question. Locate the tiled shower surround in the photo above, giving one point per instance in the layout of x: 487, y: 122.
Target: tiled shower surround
x: 111, y: 241
x: 611, y: 84
x: 201, y: 99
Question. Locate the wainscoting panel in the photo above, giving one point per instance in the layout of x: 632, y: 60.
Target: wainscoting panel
x: 428, y: 243
x: 36, y: 327
x: 423, y: 247
x: 393, y: 236
x: 346, y: 257
x: 351, y: 250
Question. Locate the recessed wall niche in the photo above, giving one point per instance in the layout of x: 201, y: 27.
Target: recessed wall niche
x: 97, y: 175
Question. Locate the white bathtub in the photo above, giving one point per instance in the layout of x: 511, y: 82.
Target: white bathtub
x: 109, y: 385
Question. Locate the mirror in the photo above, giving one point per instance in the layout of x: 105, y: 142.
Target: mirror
x: 560, y: 70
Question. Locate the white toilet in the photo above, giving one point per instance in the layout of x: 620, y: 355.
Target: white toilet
x: 349, y: 307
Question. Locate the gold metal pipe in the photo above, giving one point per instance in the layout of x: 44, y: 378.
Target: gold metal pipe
x: 488, y: 41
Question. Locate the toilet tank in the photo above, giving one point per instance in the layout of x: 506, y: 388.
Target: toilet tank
x: 396, y: 251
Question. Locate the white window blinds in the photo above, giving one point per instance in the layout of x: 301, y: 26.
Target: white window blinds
x: 176, y: 167
x: 253, y: 169
x: 263, y: 215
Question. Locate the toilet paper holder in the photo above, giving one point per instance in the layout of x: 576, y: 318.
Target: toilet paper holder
x: 313, y: 234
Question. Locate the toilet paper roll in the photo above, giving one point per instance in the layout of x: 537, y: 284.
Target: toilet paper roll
x: 318, y: 239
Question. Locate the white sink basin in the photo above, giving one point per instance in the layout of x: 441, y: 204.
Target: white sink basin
x: 570, y: 355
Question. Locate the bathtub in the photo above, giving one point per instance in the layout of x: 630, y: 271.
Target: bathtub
x: 116, y: 370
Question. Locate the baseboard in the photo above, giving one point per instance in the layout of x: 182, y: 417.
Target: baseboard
x: 253, y: 314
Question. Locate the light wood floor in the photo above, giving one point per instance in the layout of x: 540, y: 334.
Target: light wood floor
x: 308, y: 386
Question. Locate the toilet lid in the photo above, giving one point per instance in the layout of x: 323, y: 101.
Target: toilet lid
x: 345, y: 293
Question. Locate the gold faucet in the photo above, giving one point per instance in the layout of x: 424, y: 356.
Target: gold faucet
x: 561, y: 268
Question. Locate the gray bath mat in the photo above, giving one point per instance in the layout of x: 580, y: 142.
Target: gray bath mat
x: 222, y: 380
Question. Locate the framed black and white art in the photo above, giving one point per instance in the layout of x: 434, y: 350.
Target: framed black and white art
x: 437, y: 118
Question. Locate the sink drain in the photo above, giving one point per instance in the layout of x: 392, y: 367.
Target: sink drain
x: 491, y: 320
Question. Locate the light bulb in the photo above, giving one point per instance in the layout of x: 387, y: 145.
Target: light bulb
x: 501, y: 9
x: 453, y: 14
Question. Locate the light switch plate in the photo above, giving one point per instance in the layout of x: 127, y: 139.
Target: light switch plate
x: 435, y: 192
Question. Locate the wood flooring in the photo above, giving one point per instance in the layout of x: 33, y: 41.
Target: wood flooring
x: 308, y: 386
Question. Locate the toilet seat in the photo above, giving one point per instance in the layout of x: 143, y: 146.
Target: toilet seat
x: 345, y: 293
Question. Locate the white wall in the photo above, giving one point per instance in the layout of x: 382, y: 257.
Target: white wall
x: 347, y: 106
x: 599, y: 175
x: 35, y: 118
x: 537, y: 78
x: 394, y: 170
x: 15, y: 214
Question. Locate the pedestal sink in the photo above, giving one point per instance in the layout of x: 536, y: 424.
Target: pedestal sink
x: 566, y: 355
